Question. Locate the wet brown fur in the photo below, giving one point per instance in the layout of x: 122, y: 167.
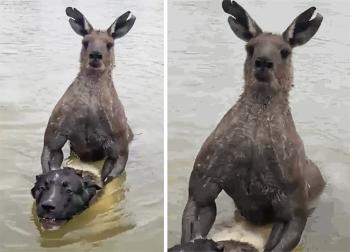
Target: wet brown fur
x: 255, y: 153
x: 90, y: 115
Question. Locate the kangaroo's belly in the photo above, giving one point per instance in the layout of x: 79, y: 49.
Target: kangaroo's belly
x: 253, y: 193
x: 89, y: 136
x: 251, y: 172
x: 88, y: 153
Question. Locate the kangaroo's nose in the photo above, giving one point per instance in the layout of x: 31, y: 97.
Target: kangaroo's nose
x: 263, y: 62
x: 48, y: 206
x: 95, y: 55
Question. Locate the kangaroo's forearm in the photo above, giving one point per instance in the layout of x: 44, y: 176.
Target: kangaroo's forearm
x: 51, y: 159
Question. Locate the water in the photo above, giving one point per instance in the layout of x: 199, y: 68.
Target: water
x: 206, y: 78
x: 39, y: 59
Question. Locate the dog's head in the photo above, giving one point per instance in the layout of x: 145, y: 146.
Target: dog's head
x: 61, y: 194
x: 199, y: 245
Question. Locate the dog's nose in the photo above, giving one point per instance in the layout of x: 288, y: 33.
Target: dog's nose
x: 263, y: 62
x: 48, y: 206
x: 95, y: 55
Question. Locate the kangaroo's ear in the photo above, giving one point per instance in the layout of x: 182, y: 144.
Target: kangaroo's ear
x: 241, y: 23
x: 78, y: 22
x: 303, y: 28
x: 122, y: 25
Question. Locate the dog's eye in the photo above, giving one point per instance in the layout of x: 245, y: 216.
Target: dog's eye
x: 42, y: 188
x: 109, y: 45
x: 65, y: 184
x: 85, y: 44
x: 69, y: 191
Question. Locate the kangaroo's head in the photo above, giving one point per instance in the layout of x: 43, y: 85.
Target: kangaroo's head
x: 268, y: 63
x: 97, y: 52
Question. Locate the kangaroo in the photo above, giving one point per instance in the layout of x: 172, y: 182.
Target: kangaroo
x: 90, y: 114
x: 255, y: 153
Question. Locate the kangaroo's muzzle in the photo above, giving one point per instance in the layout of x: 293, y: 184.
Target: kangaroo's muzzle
x: 95, y: 59
x: 263, y: 66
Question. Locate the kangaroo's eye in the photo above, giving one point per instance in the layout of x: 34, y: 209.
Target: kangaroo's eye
x: 110, y: 45
x: 85, y: 44
x: 250, y: 50
x: 285, y: 53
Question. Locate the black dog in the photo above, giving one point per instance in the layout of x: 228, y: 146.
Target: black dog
x: 204, y: 245
x: 61, y: 194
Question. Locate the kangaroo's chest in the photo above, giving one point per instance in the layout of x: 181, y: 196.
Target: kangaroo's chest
x: 252, y: 142
x: 248, y: 159
x: 255, y: 150
x: 87, y: 122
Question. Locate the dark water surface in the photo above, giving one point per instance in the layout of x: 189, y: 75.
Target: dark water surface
x: 39, y: 59
x: 206, y: 78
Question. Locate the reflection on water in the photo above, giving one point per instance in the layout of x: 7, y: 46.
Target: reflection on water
x: 39, y: 59
x: 206, y: 78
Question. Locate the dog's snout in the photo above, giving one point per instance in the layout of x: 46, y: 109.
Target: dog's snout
x: 95, y: 55
x: 263, y: 62
x: 48, y: 206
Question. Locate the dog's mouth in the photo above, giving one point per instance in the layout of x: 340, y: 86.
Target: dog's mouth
x: 52, y: 223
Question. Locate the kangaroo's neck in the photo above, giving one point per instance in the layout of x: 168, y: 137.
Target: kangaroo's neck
x: 96, y: 80
x: 266, y: 99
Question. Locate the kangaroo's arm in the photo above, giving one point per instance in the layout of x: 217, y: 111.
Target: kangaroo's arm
x: 116, y: 148
x: 52, y: 155
x: 54, y: 140
x: 116, y: 157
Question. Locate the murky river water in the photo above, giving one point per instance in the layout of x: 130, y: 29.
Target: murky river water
x: 39, y: 59
x: 206, y: 78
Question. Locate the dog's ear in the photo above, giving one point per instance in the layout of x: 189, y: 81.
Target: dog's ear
x: 78, y: 172
x: 37, y: 178
x: 89, y: 182
x: 32, y: 191
x: 90, y: 188
x: 220, y: 246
